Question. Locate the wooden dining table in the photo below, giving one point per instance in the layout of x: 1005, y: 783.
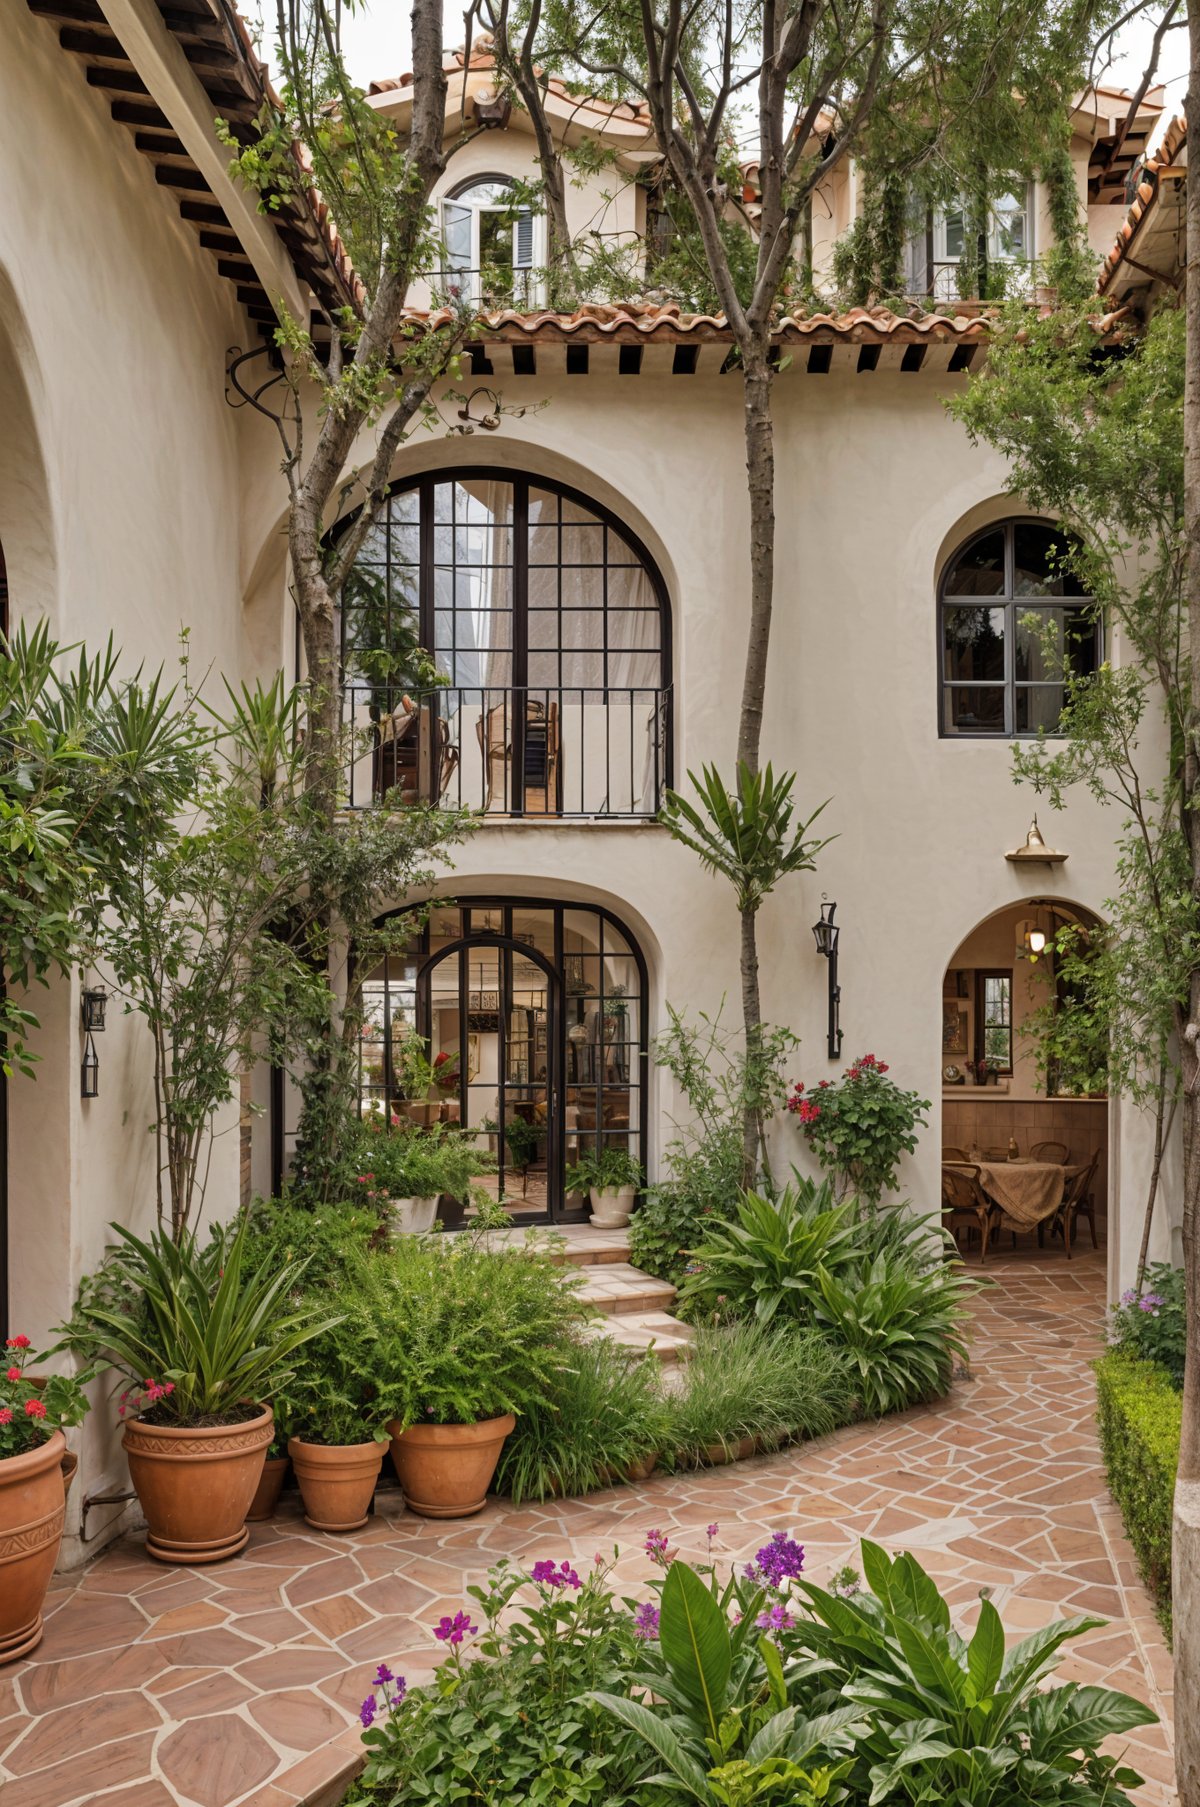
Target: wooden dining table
x: 1028, y: 1192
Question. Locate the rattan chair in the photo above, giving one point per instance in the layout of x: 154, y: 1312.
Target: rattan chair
x: 965, y: 1203
x: 1050, y: 1151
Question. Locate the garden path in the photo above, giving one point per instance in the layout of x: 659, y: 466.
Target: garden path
x: 238, y: 1686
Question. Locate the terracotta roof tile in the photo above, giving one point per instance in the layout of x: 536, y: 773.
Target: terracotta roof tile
x: 1174, y: 139
x: 631, y: 322
x: 482, y: 58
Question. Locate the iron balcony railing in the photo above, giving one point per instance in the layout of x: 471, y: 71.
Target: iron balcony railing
x: 540, y: 751
x: 491, y: 288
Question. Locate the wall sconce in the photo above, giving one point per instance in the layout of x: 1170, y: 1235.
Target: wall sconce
x: 89, y: 1071
x: 827, y: 933
x: 92, y: 1006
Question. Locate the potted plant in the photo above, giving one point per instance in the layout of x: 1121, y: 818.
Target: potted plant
x: 337, y: 1440
x: 202, y: 1344
x: 274, y: 1473
x: 467, y: 1338
x: 32, y: 1491
x: 413, y: 1168
x: 612, y: 1178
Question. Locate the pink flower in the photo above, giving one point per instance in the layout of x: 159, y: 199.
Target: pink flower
x: 18, y: 1342
x: 13, y: 1374
x: 5, y: 1415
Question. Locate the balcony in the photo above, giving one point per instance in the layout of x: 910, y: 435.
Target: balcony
x: 528, y: 753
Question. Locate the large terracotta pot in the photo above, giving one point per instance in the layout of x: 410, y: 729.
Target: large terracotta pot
x: 446, y: 1469
x: 266, y: 1494
x: 196, y: 1486
x: 337, y: 1481
x: 32, y: 1508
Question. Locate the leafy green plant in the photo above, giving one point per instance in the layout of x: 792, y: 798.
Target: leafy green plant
x: 326, y: 1241
x: 899, y: 1325
x: 1140, y: 1414
x: 600, y: 1414
x: 605, y: 1170
x: 332, y: 1395
x: 859, y: 1126
x: 214, y: 1337
x: 465, y: 1333
x: 752, y: 1380
x: 1150, y: 1322
x: 766, y: 1262
x: 32, y: 1410
x: 417, y: 1163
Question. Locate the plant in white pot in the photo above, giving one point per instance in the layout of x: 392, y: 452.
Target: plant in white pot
x: 613, y: 1179
x: 413, y: 1168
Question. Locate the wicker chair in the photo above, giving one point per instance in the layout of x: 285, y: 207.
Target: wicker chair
x: 1050, y: 1151
x: 965, y: 1203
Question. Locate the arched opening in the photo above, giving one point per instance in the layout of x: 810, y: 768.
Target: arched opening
x: 537, y: 1013
x: 1025, y: 1116
x: 506, y: 648
x: 491, y: 244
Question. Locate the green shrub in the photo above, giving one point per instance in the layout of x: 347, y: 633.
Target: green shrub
x: 1150, y: 1322
x: 465, y: 1333
x: 899, y: 1323
x: 601, y: 1412
x: 331, y: 1240
x: 1140, y: 1413
x: 769, y: 1382
x: 765, y: 1263
x: 860, y: 1125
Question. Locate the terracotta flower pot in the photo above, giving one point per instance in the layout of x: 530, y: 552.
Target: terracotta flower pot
x: 337, y: 1481
x: 446, y: 1469
x: 195, y: 1486
x: 32, y: 1508
x: 270, y: 1486
x: 718, y: 1454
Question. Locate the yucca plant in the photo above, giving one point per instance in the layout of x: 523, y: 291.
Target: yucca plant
x: 766, y: 1263
x: 209, y: 1336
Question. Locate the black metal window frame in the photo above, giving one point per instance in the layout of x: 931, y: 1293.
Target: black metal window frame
x: 982, y: 975
x: 1014, y: 607
x: 504, y: 938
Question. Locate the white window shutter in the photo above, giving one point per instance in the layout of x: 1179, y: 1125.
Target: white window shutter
x: 523, y: 241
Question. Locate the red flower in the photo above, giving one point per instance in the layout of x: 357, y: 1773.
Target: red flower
x: 13, y: 1374
x: 5, y: 1415
x: 34, y: 1408
x: 808, y: 1111
x: 19, y: 1342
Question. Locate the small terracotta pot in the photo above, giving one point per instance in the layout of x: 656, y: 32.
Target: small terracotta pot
x: 195, y: 1486
x: 719, y: 1454
x: 446, y: 1469
x: 337, y: 1481
x: 266, y: 1494
x: 32, y: 1508
x: 641, y: 1471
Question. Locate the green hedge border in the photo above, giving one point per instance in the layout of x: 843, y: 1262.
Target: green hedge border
x: 1140, y: 1414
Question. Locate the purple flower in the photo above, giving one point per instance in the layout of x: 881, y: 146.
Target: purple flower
x: 367, y: 1711
x: 383, y: 1674
x: 778, y: 1618
x: 1128, y: 1296
x: 645, y: 1621
x: 1149, y: 1301
x: 453, y: 1631
x: 549, y: 1574
x: 710, y: 1531
x: 657, y: 1548
x: 778, y: 1561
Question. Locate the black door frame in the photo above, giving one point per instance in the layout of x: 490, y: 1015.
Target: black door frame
x: 507, y: 945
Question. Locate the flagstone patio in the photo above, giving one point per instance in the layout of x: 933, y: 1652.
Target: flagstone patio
x: 238, y: 1686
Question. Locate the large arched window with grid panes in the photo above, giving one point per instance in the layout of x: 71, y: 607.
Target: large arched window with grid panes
x: 506, y: 649
x: 1013, y: 620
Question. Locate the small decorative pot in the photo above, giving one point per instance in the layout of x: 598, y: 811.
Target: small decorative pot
x: 32, y: 1508
x: 446, y: 1469
x: 413, y: 1216
x: 337, y: 1481
x: 266, y: 1494
x: 612, y: 1206
x: 196, y: 1486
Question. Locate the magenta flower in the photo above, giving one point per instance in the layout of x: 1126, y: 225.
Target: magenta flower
x: 367, y: 1712
x: 710, y: 1531
x: 383, y: 1674
x: 778, y: 1618
x: 645, y: 1621
x: 453, y: 1631
x: 658, y: 1548
x: 548, y: 1574
x: 778, y: 1561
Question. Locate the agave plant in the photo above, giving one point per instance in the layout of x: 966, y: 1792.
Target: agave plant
x: 195, y: 1320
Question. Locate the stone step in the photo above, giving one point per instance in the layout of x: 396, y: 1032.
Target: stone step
x: 570, y: 1244
x: 642, y: 1332
x: 617, y: 1289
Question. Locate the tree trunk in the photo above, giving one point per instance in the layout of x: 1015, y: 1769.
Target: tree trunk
x: 752, y: 1019
x: 1185, y: 1552
x: 757, y: 377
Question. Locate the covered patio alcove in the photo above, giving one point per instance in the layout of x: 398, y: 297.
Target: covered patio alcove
x: 1006, y: 1100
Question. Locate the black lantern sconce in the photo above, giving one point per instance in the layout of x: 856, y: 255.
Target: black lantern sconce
x: 826, y: 933
x: 92, y: 1006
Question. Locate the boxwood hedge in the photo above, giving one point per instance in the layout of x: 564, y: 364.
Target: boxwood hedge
x: 1140, y: 1413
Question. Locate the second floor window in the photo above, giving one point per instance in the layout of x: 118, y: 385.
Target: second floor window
x: 1011, y: 619
x: 939, y: 248
x: 489, y: 244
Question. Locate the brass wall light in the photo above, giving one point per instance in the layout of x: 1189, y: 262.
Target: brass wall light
x: 827, y: 934
x: 1035, y: 852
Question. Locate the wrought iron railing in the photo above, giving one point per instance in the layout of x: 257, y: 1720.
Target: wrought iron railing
x: 491, y: 288
x: 572, y: 751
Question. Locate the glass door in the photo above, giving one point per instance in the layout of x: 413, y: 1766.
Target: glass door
x: 490, y: 1010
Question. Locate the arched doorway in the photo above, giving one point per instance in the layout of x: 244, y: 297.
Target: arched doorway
x: 537, y: 1013
x: 1013, y: 1087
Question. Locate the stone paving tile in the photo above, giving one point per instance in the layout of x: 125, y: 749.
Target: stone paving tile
x: 238, y: 1686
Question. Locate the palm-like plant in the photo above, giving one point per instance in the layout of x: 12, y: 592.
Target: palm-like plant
x: 748, y: 836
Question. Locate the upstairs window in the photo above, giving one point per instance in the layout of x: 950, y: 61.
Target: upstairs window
x: 490, y: 244
x: 1011, y: 619
x: 937, y: 249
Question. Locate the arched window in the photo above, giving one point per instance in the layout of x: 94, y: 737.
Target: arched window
x: 1013, y: 616
x: 490, y: 243
x: 548, y: 629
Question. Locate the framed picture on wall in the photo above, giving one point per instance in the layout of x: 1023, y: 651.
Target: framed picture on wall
x: 954, y: 1028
